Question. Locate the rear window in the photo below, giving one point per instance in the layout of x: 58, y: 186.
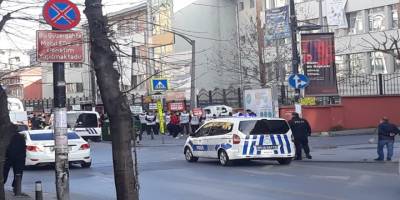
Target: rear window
x: 50, y: 136
x: 263, y: 126
x: 82, y: 120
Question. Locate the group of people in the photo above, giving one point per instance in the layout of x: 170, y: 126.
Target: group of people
x: 176, y: 123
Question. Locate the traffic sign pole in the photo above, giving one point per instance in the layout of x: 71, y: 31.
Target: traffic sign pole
x: 295, y: 53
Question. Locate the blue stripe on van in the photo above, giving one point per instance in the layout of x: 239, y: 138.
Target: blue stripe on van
x: 287, y: 144
x: 281, y: 144
x: 273, y: 143
x: 253, y: 143
x: 246, y: 143
x: 261, y: 142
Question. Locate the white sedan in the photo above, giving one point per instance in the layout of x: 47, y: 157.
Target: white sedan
x: 40, y: 148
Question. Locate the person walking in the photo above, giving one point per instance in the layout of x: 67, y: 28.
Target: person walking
x: 184, y: 119
x: 151, y: 125
x: 301, y: 130
x: 143, y: 124
x: 194, y: 122
x: 15, y: 156
x: 386, y: 134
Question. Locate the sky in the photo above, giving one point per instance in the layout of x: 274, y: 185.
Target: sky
x: 21, y: 34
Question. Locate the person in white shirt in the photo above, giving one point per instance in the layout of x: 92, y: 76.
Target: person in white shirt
x: 184, y: 119
x: 195, y: 122
x: 151, y: 124
x: 143, y: 124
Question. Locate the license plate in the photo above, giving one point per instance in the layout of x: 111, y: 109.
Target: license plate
x: 267, y: 147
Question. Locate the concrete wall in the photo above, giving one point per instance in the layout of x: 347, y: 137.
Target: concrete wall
x: 212, y: 23
x: 352, y: 113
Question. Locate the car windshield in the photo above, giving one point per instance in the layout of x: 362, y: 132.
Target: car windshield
x: 263, y: 126
x: 50, y: 136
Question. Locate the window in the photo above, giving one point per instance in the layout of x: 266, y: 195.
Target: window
x: 75, y: 65
x: 203, y: 131
x: 376, y: 19
x: 82, y: 120
x: 356, y: 64
x: 251, y: 3
x: 220, y: 128
x: 395, y: 16
x: 241, y: 6
x: 74, y: 87
x: 355, y: 23
x: 242, y: 39
x: 378, y: 63
x: 263, y: 126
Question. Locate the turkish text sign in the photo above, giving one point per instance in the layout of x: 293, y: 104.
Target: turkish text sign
x: 59, y: 46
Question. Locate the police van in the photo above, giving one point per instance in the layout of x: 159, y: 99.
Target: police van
x: 229, y: 139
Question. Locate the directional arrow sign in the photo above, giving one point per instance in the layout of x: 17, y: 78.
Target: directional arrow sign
x: 298, y: 81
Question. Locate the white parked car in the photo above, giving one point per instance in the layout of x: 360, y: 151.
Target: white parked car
x: 230, y: 139
x: 40, y: 148
x: 217, y: 111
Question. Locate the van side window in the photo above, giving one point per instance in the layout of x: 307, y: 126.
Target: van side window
x: 203, y: 131
x: 87, y: 120
x: 220, y: 128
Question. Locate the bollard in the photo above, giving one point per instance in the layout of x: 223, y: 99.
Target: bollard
x: 38, y: 190
x: 17, y: 185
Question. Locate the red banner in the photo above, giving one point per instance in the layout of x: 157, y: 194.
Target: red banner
x: 318, y: 51
x: 197, y: 112
x: 176, y: 106
x: 59, y: 46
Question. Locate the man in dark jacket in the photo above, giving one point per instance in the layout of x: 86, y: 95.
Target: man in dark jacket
x: 386, y: 133
x: 15, y: 156
x: 301, y: 130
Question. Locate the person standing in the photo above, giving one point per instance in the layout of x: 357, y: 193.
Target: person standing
x: 184, y: 119
x: 167, y: 120
x: 151, y: 124
x: 174, y: 126
x: 301, y: 130
x: 15, y: 156
x: 143, y: 124
x: 194, y: 122
x: 386, y: 134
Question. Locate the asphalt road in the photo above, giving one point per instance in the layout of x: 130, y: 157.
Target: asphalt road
x: 164, y: 174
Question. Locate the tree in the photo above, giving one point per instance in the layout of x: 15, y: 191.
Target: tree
x: 115, y: 102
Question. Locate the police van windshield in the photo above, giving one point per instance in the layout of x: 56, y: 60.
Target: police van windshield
x: 82, y: 120
x: 263, y: 126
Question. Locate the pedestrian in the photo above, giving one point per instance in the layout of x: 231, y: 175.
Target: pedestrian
x: 195, y: 122
x: 143, y: 124
x: 15, y: 156
x: 157, y: 123
x: 386, y: 134
x: 35, y: 122
x: 151, y: 124
x: 301, y: 130
x: 174, y: 126
x: 184, y: 119
x: 167, y: 117
x: 250, y: 113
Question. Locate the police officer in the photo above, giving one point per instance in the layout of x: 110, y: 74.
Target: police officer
x: 301, y: 130
x: 15, y: 156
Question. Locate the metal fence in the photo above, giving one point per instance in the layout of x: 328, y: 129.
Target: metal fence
x: 230, y: 97
x: 370, y: 85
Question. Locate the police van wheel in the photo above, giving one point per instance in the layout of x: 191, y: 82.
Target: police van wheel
x: 189, y: 156
x: 284, y: 161
x: 223, y: 158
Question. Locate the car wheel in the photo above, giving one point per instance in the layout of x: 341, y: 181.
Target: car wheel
x: 189, y: 156
x: 86, y: 165
x: 223, y: 158
x: 284, y: 161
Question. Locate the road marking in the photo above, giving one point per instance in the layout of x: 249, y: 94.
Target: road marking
x: 343, y: 178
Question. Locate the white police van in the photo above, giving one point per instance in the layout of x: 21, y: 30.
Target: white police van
x: 230, y: 139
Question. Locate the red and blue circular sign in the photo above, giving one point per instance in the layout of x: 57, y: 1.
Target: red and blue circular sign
x: 61, y: 14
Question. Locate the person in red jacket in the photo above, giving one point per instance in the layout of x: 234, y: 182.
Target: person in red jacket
x: 174, y: 127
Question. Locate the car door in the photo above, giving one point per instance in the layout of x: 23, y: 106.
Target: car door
x: 218, y: 137
x: 197, y: 141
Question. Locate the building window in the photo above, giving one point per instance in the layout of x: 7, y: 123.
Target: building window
x: 395, y: 16
x: 355, y: 23
x: 241, y: 5
x: 378, y: 65
x: 242, y: 39
x: 376, y: 19
x: 74, y: 87
x: 356, y: 64
x: 251, y: 3
x: 75, y: 65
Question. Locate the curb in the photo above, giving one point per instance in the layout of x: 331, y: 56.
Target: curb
x: 347, y: 161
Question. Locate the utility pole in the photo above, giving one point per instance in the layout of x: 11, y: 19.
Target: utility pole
x: 60, y: 132
x: 193, y: 99
x: 295, y: 53
x: 147, y: 37
x: 321, y: 19
x: 260, y: 44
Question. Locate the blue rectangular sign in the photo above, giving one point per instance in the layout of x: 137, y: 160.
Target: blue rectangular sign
x: 159, y: 84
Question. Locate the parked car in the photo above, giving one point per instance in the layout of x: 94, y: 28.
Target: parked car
x: 40, y: 148
x: 228, y: 139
